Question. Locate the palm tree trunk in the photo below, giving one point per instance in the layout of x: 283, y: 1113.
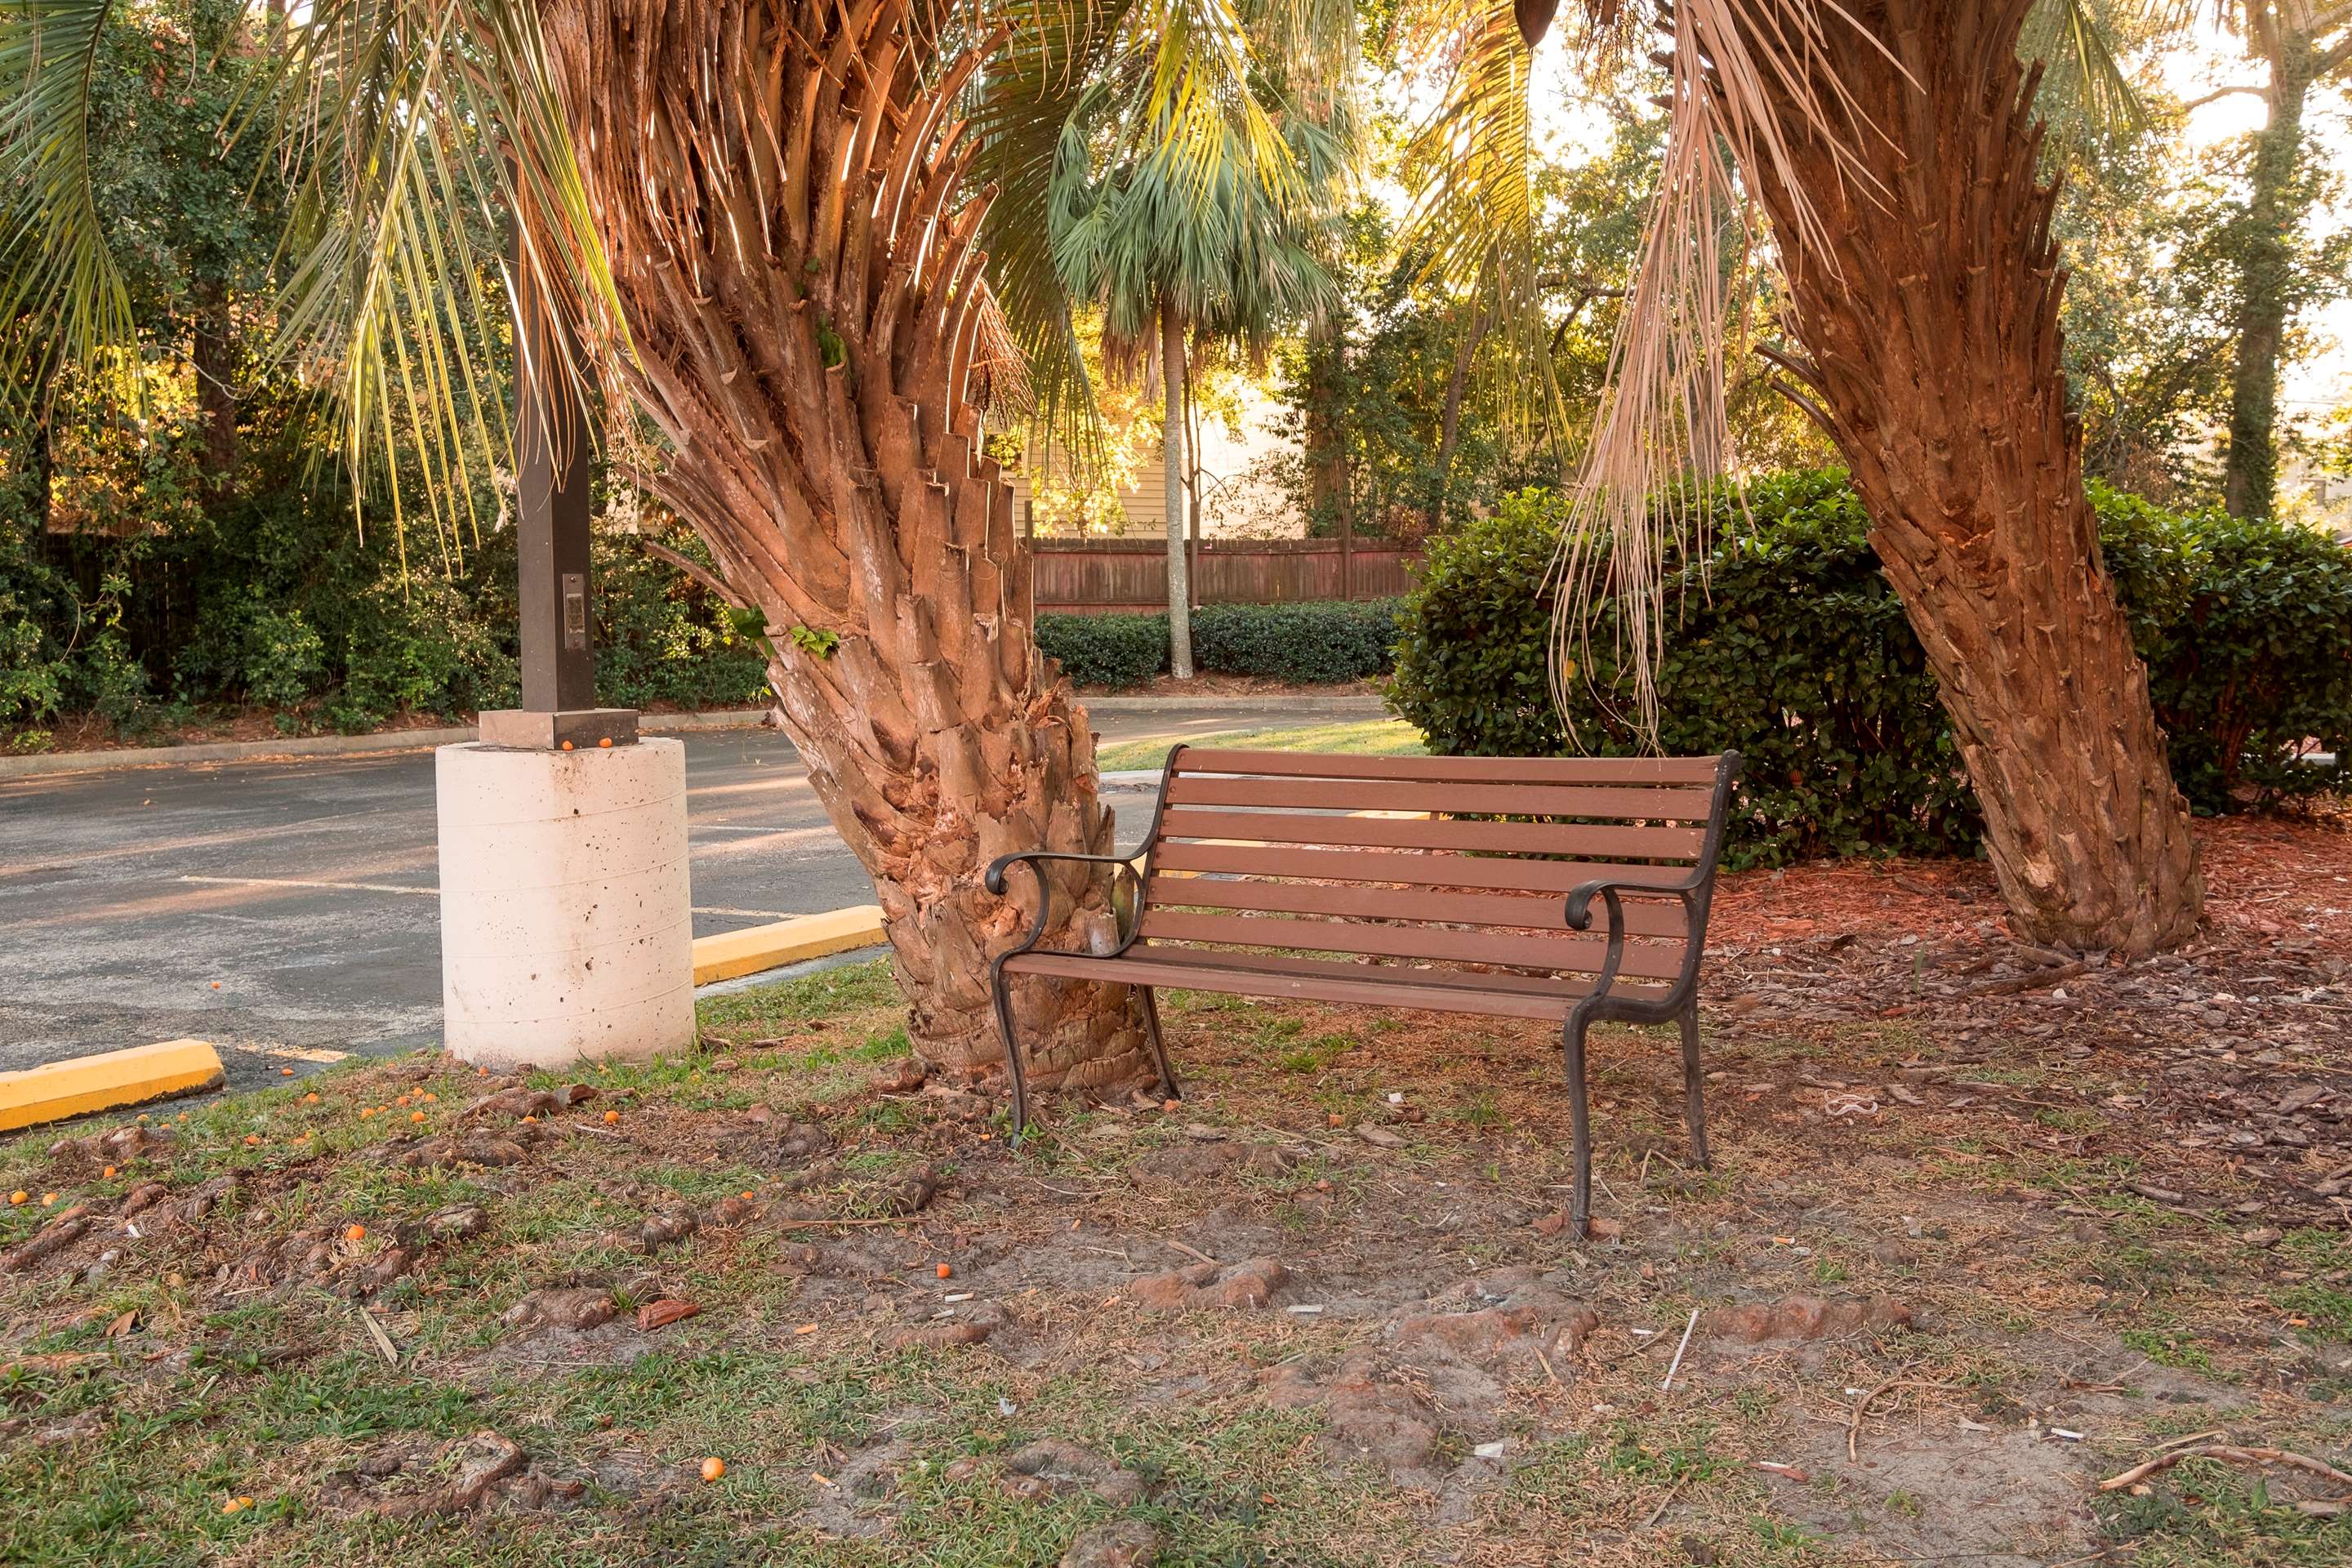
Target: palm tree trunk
x: 796, y: 266
x: 2274, y: 210
x: 1172, y: 464
x: 1932, y: 329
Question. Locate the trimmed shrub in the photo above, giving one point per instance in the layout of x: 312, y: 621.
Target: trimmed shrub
x: 1317, y: 640
x: 1116, y: 651
x: 1792, y: 650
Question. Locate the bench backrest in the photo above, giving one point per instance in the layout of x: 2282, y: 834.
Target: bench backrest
x: 1428, y: 861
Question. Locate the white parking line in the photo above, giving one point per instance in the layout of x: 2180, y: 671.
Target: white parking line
x: 434, y: 892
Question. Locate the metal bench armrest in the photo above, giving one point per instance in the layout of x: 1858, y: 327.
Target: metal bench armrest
x: 1696, y: 891
x: 993, y: 880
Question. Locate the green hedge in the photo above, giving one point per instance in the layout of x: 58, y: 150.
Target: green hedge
x: 1314, y: 641
x: 1794, y: 651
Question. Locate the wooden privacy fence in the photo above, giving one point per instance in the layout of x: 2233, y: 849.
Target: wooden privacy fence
x: 1092, y: 576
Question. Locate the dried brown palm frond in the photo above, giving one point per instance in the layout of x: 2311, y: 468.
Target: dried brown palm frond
x: 1743, y: 77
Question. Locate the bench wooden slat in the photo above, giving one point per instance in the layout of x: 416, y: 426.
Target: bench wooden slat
x: 1473, y: 997
x: 1567, y: 838
x: 1542, y: 911
x: 1485, y: 946
x: 1427, y: 869
x: 1402, y: 971
x: 1481, y: 770
x: 1675, y: 804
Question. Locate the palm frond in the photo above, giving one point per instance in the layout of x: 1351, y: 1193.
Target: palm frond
x: 1743, y: 77
x: 1474, y: 220
x: 63, y: 300
x: 416, y: 130
x: 2085, y: 86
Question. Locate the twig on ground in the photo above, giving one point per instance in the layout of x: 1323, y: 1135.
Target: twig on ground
x: 2227, y: 1454
x: 1862, y: 1408
x: 1676, y: 1365
x: 1665, y: 1503
x: 1189, y: 1251
x: 805, y: 1224
x: 376, y: 1332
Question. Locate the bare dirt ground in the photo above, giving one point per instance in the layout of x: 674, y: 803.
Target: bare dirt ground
x: 1986, y: 1227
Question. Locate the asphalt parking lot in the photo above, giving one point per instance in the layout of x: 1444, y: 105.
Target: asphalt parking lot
x: 288, y: 910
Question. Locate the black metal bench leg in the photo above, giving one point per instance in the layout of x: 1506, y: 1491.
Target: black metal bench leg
x: 1694, y: 1087
x: 1001, y: 987
x: 1167, y: 1088
x: 1579, y: 1127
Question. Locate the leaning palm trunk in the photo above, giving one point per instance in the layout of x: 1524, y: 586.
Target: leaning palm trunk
x: 1928, y: 310
x: 776, y: 183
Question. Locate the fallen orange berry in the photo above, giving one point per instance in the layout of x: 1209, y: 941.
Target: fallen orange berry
x: 108, y: 1174
x: 19, y: 1196
x: 355, y: 1232
x: 607, y: 743
x: 714, y: 1466
x: 747, y: 1195
x: 252, y: 1140
x: 611, y: 1117
x: 416, y: 1116
x: 945, y: 1271
x: 215, y: 984
x: 48, y: 1198
x: 285, y: 1072
x: 312, y: 1099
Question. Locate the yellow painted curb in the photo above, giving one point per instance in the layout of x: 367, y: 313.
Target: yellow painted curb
x: 85, y: 1084
x: 747, y: 952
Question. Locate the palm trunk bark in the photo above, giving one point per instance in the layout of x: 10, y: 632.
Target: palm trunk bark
x: 1932, y: 329
x: 2266, y: 264
x: 797, y: 265
x: 1171, y: 465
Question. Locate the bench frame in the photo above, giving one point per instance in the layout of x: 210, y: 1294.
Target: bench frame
x: 1679, y: 1006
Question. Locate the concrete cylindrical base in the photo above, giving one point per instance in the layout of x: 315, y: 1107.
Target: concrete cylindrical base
x: 567, y: 930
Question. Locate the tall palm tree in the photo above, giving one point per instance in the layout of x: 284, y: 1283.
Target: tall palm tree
x: 1894, y: 149
x: 1172, y: 257
x: 758, y: 219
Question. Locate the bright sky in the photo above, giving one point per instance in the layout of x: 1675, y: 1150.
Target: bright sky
x: 2324, y: 381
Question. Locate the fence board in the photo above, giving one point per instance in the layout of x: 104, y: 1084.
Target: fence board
x: 1090, y: 576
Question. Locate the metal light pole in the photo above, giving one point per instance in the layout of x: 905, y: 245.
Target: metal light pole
x: 566, y: 919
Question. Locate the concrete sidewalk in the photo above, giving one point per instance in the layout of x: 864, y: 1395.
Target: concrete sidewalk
x: 651, y: 724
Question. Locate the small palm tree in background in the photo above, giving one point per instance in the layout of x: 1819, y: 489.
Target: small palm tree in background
x: 1179, y: 245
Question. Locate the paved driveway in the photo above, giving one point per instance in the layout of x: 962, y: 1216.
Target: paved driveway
x: 288, y: 910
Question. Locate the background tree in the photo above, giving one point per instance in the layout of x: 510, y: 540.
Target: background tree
x: 2304, y: 45
x: 1181, y: 236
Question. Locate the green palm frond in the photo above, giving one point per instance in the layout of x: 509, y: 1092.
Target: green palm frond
x: 1474, y: 219
x: 62, y: 295
x: 2084, y: 84
x: 413, y: 127
x: 1138, y: 143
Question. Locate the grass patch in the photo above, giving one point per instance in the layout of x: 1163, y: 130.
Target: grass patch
x: 1359, y: 737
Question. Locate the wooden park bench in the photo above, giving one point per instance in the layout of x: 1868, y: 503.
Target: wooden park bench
x: 1455, y: 884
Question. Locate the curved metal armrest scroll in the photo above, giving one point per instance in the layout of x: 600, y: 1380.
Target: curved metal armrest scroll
x: 1579, y: 915
x: 993, y: 880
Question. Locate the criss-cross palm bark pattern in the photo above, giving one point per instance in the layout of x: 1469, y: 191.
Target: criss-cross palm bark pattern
x: 1928, y: 306
x: 779, y: 185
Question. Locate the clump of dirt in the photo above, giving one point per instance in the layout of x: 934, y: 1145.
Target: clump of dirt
x: 1201, y: 1287
x: 400, y: 1481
